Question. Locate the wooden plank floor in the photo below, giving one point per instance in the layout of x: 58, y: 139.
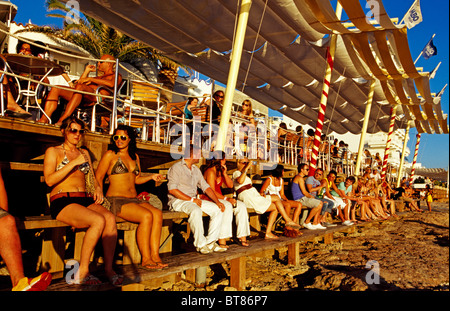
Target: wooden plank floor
x: 186, y: 261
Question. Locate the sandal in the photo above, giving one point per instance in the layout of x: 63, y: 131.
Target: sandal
x: 116, y: 279
x: 89, y: 280
x: 293, y: 225
x: 243, y: 243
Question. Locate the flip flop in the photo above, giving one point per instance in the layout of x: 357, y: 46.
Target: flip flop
x: 243, y: 243
x: 151, y: 266
x: 293, y: 225
x: 162, y: 265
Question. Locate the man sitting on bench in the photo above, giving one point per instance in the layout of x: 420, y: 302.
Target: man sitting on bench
x: 184, y: 177
x: 403, y: 193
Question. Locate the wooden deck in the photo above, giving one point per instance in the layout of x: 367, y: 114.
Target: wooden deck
x: 188, y: 262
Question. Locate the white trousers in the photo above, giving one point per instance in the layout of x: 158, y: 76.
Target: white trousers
x: 339, y: 203
x: 216, y: 222
x: 242, y: 221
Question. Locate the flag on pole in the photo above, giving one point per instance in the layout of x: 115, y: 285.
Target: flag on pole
x: 429, y: 50
x: 442, y: 91
x: 433, y: 73
x: 414, y: 15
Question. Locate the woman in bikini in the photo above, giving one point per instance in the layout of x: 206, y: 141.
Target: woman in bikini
x: 65, y: 167
x: 121, y: 164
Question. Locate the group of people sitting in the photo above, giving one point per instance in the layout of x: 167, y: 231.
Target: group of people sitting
x: 78, y: 199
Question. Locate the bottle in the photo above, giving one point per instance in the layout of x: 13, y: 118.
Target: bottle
x: 321, y: 193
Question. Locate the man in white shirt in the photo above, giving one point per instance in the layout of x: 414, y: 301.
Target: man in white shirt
x: 184, y: 178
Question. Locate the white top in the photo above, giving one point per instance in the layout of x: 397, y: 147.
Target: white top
x: 272, y: 189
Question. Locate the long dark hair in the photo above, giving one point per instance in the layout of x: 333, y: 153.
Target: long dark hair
x: 132, y: 144
x: 278, y: 171
x: 215, y: 160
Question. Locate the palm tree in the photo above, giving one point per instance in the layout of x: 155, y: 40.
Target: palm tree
x: 99, y: 39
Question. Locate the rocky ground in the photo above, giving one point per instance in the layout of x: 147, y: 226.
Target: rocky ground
x: 407, y: 253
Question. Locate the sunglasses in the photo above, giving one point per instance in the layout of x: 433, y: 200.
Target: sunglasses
x: 121, y: 137
x: 74, y: 131
x: 220, y: 96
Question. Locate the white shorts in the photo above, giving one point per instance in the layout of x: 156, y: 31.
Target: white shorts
x: 338, y: 202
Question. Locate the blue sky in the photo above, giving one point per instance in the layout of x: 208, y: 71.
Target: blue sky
x: 434, y: 149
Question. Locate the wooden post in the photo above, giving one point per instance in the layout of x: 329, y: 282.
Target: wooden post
x: 190, y: 275
x: 237, y: 273
x: 328, y: 238
x: 294, y: 253
x: 131, y: 252
x: 53, y: 246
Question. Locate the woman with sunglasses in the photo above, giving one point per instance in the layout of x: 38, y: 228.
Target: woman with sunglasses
x: 65, y: 167
x: 121, y: 164
x: 247, y: 130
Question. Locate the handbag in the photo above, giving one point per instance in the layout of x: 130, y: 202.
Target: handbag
x: 90, y: 185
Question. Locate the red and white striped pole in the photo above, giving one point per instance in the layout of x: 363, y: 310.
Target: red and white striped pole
x: 388, y: 142
x: 321, y: 115
x: 416, y: 151
x: 324, y: 97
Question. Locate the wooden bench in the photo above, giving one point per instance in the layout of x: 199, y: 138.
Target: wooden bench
x: 235, y: 255
x: 54, y: 238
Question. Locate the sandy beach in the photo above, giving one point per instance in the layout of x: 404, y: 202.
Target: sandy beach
x: 409, y: 253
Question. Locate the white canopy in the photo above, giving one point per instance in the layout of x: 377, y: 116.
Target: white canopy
x: 285, y: 56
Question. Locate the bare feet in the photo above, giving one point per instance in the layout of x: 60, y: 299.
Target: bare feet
x: 271, y: 236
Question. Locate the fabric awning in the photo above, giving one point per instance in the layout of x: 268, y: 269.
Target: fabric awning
x: 284, y: 59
